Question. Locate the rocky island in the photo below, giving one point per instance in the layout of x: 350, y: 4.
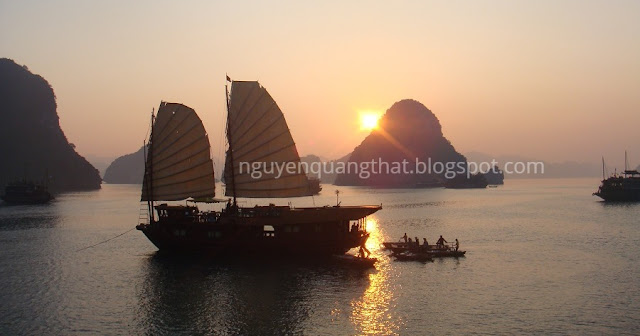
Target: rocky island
x: 127, y: 169
x: 407, y: 131
x: 32, y: 144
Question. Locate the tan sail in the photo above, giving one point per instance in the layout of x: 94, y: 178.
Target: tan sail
x: 258, y: 134
x: 178, y: 163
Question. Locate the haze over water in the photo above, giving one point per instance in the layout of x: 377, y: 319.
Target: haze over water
x: 544, y: 256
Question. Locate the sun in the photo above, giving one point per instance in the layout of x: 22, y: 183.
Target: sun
x: 369, y: 120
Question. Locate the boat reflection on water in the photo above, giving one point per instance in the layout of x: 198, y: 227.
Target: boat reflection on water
x: 187, y: 295
x: 183, y: 295
x: 371, y: 312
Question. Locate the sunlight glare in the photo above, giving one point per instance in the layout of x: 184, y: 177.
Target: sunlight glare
x: 369, y: 120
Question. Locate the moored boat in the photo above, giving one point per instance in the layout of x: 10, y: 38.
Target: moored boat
x: 26, y: 192
x: 623, y: 187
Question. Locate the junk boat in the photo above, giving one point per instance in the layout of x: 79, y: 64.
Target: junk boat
x: 26, y: 192
x: 620, y: 188
x: 179, y: 167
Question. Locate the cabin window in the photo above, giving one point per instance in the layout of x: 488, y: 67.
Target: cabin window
x: 214, y: 234
x: 291, y: 228
x: 180, y: 233
x: 268, y: 231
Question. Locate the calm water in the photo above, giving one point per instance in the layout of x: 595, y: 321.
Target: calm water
x: 544, y: 256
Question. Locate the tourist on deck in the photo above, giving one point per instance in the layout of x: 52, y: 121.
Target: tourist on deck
x: 440, y: 242
x: 410, y: 241
x: 425, y: 243
x: 404, y: 237
x: 457, y: 244
x: 417, y: 241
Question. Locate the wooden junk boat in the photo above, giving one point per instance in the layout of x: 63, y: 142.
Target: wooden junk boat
x: 620, y: 188
x: 26, y: 192
x: 179, y: 167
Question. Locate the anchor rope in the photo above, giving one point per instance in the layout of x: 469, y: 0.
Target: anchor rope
x: 104, y: 241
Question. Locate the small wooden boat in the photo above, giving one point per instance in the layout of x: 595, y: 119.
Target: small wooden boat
x: 434, y: 251
x: 411, y: 256
x: 446, y: 253
x: 351, y: 260
x: 401, y: 244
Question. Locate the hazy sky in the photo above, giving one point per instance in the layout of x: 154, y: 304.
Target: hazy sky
x: 554, y: 80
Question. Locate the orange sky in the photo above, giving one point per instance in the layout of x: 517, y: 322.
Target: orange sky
x: 543, y: 79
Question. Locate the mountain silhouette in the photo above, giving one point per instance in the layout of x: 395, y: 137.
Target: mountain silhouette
x: 32, y: 144
x: 127, y: 169
x: 408, y: 131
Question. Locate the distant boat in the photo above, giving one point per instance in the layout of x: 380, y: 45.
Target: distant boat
x: 179, y: 167
x: 477, y: 181
x: 26, y: 192
x: 434, y: 183
x: 623, y: 187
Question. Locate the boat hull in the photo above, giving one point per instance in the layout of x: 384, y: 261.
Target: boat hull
x: 263, y: 231
x: 619, y: 195
x: 625, y: 188
x: 434, y: 251
x: 422, y: 257
x: 12, y: 200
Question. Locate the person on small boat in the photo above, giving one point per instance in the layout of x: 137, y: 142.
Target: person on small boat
x: 425, y: 243
x: 363, y: 252
x: 457, y: 244
x: 417, y: 241
x: 404, y: 237
x: 440, y: 242
x: 409, y: 240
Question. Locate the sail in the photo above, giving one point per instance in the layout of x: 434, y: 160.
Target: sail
x: 258, y: 135
x: 178, y: 163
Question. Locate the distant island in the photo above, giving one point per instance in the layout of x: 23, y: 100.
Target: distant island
x: 127, y: 169
x: 326, y: 177
x: 494, y: 176
x: 407, y: 131
x: 566, y: 169
x: 32, y: 144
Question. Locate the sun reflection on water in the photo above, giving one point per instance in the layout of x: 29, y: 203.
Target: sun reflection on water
x: 371, y: 313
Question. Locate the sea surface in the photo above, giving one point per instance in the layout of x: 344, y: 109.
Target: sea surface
x: 543, y: 257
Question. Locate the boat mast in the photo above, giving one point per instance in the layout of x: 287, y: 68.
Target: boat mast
x: 626, y: 163
x: 230, y: 151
